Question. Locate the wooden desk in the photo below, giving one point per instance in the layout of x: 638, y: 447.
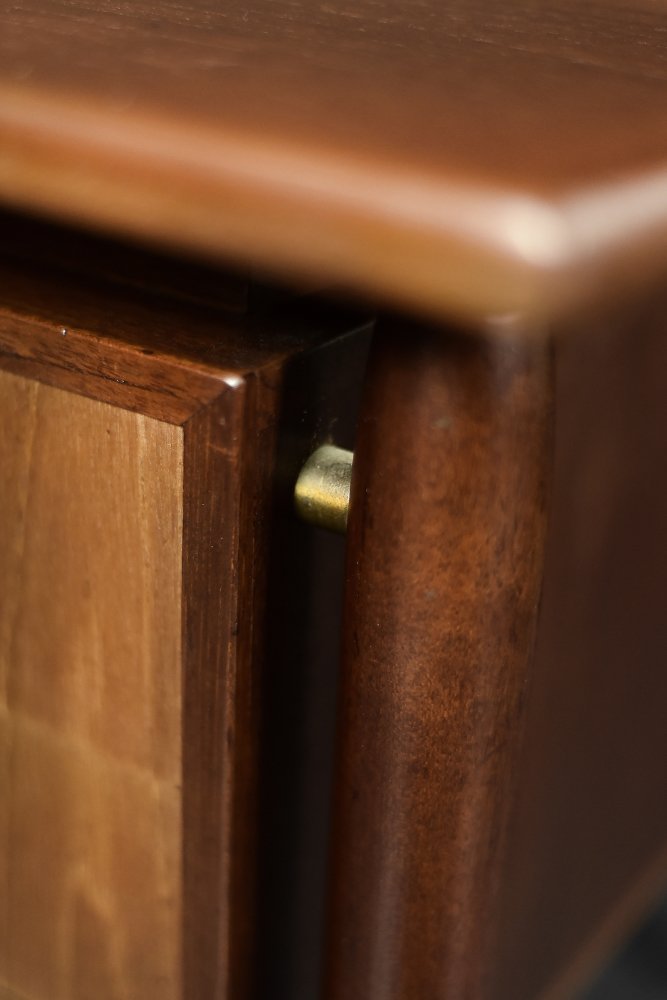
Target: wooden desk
x: 494, y: 186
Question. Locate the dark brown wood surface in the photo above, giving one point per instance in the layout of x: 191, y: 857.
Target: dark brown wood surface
x: 463, y: 867
x: 465, y: 157
x: 588, y: 844
x: 36, y: 242
x: 210, y: 389
x: 445, y: 556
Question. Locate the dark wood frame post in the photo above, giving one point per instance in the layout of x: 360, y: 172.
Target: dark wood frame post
x: 445, y: 559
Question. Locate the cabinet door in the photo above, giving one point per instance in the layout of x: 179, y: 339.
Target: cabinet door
x: 90, y: 660
x: 138, y: 447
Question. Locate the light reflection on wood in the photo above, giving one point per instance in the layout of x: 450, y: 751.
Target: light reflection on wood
x: 90, y: 703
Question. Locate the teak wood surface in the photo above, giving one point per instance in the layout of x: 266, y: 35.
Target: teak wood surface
x: 458, y: 158
x: 139, y: 445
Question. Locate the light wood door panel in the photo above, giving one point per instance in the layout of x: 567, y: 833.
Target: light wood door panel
x: 90, y: 666
x: 148, y: 453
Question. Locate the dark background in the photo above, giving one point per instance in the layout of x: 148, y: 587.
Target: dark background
x: 639, y: 972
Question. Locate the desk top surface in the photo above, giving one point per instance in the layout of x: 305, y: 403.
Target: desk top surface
x: 463, y: 158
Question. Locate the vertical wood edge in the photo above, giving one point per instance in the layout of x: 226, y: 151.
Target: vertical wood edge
x: 229, y: 455
x: 445, y: 561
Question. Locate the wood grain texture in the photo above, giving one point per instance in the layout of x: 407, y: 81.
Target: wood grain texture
x: 215, y: 386
x: 445, y: 548
x: 90, y: 668
x: 140, y: 350
x: 533, y: 909
x: 588, y: 844
x: 465, y: 158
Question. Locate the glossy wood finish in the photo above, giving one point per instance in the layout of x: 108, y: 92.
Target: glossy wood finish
x: 587, y: 853
x: 198, y: 398
x: 445, y: 559
x: 90, y: 674
x: 465, y: 158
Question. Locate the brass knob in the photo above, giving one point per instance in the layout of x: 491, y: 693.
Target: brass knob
x: 322, y: 491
